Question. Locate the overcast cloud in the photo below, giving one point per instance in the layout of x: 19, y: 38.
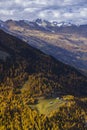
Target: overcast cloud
x: 57, y: 10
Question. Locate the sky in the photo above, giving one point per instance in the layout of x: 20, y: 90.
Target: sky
x: 52, y: 10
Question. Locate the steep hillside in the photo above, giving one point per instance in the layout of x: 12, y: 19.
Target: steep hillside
x: 38, y: 92
x: 45, y: 75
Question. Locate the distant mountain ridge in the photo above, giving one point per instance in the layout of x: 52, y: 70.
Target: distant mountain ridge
x: 45, y: 25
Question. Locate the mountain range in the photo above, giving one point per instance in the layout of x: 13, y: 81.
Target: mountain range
x: 44, y: 25
x: 64, y: 41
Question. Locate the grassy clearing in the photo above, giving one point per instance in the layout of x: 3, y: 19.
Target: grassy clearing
x: 45, y: 106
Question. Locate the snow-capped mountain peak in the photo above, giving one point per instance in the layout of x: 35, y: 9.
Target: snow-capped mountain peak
x: 45, y: 23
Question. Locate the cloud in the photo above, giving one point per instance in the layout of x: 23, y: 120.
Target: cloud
x: 61, y: 10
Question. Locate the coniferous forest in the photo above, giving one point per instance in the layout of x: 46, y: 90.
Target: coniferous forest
x: 37, y: 92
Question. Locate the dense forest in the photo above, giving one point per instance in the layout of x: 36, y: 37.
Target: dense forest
x: 26, y: 74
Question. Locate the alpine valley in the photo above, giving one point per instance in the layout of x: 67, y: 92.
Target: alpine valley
x: 43, y: 75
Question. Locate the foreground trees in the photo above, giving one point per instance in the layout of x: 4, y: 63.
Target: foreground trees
x: 15, y: 114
